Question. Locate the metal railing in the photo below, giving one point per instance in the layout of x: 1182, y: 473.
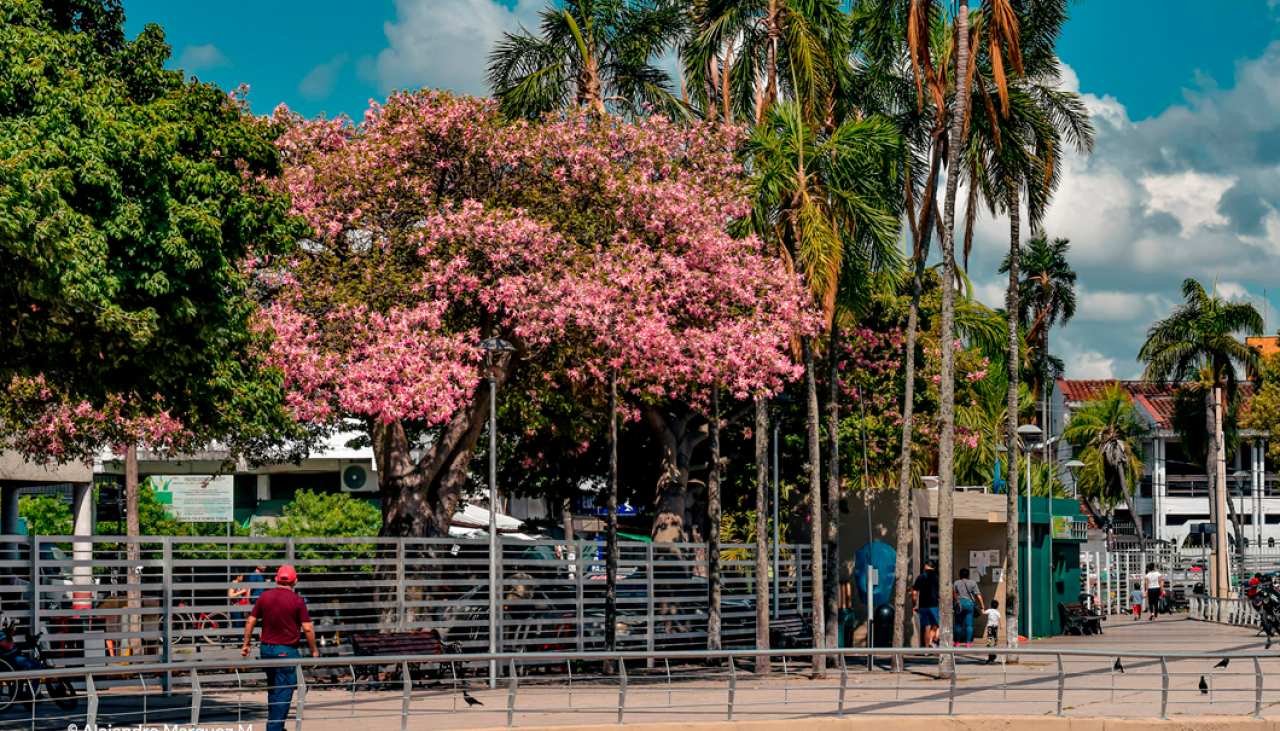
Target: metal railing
x: 1238, y: 612
x: 107, y: 600
x: 582, y: 688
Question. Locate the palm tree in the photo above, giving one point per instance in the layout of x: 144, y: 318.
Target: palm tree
x: 1197, y: 343
x: 597, y: 54
x: 1047, y: 297
x: 826, y: 201
x: 1111, y: 426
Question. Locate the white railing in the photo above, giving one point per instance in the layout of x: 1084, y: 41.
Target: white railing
x: 1237, y: 612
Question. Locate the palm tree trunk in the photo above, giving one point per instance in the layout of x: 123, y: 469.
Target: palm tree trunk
x: 815, y: 508
x: 1133, y: 512
x: 905, y: 519
x: 1217, y: 508
x: 761, y: 434
x: 1239, y: 531
x: 713, y: 528
x: 947, y: 407
x: 774, y: 34
x: 1011, y: 431
x: 832, y: 589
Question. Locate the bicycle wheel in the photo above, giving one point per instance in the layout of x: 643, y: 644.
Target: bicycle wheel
x: 215, y: 625
x: 177, y: 626
x: 62, y: 693
x: 8, y: 688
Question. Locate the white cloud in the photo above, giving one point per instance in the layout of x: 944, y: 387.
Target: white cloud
x: 1086, y: 363
x: 1190, y: 197
x: 202, y: 58
x: 1111, y: 307
x: 319, y: 82
x: 445, y: 43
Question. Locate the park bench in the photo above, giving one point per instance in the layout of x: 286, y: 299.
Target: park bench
x: 1078, y: 620
x: 790, y: 632
x: 390, y: 644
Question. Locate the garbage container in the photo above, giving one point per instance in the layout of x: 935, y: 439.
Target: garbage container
x: 882, y: 626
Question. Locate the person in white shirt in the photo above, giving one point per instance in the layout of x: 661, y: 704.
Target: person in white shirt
x: 993, y: 623
x: 1153, y: 583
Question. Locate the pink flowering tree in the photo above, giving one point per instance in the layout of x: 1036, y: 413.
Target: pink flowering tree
x: 594, y: 246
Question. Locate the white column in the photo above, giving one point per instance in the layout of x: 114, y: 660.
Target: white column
x: 264, y: 487
x: 82, y: 515
x: 1157, y: 487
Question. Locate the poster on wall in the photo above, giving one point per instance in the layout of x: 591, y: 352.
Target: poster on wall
x: 196, y: 498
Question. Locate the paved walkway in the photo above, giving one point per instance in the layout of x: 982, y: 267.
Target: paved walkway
x: 1092, y: 688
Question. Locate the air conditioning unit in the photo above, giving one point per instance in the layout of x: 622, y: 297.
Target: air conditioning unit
x: 359, y: 478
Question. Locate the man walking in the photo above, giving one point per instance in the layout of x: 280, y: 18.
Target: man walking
x: 924, y: 592
x: 284, y: 617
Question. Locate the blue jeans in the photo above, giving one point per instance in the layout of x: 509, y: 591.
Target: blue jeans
x: 964, y: 621
x: 281, y: 683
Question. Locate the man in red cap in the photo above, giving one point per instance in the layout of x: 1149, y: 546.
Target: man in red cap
x: 284, y: 617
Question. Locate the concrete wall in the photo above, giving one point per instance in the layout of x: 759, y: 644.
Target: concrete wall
x: 980, y: 526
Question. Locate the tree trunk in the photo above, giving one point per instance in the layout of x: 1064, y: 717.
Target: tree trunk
x: 946, y: 432
x: 671, y: 425
x: 1011, y: 548
x: 815, y: 507
x: 132, y: 529
x: 611, y: 535
x: 906, y: 524
x: 713, y: 528
x: 1133, y: 513
x: 1217, y: 508
x: 761, y: 434
x: 1239, y: 531
x: 774, y: 33
x: 832, y: 588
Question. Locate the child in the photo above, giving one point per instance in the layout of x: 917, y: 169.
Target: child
x: 1135, y: 598
x: 993, y: 623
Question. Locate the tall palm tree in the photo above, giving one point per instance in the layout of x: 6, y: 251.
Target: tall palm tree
x: 598, y: 54
x: 1197, y: 344
x: 826, y: 201
x: 1111, y: 425
x: 1047, y: 297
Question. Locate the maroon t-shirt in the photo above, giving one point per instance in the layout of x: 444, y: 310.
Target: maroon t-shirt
x: 281, y: 612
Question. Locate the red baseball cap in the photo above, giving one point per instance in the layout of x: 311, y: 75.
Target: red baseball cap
x: 286, y: 575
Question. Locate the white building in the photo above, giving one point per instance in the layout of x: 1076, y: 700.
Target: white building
x: 1174, y: 494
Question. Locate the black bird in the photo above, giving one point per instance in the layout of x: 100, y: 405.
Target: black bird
x: 470, y: 701
x: 1204, y: 687
x: 1222, y: 663
x: 1118, y: 667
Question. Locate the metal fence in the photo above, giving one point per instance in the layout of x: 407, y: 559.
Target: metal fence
x: 1238, y: 612
x: 1111, y: 575
x: 594, y: 688
x: 106, y: 600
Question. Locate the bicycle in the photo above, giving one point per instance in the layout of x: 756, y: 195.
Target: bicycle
x: 60, y: 690
x: 211, y: 626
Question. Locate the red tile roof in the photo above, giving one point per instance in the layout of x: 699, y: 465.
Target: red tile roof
x: 1155, y: 399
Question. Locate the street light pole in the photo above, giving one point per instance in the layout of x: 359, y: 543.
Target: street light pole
x: 491, y: 346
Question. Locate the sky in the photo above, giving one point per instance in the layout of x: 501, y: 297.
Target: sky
x: 1184, y: 181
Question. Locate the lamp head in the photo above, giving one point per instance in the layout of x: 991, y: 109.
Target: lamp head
x: 1074, y: 464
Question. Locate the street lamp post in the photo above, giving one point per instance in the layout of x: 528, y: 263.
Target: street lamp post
x: 1240, y: 539
x: 491, y: 346
x: 1029, y: 430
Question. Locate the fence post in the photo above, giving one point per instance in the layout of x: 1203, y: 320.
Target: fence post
x: 166, y: 630
x: 91, y: 713
x: 797, y: 554
x: 501, y: 595
x: 400, y: 623
x: 951, y: 691
x: 622, y: 688
x: 511, y: 696
x: 580, y: 618
x: 1164, y: 688
x: 302, y: 697
x: 197, y: 697
x: 288, y: 550
x: 844, y: 684
x: 34, y: 599
x: 408, y: 696
x: 733, y: 685
x: 1062, y: 683
x: 1257, y: 693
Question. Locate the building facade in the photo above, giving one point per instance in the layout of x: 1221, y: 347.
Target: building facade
x: 1173, y: 495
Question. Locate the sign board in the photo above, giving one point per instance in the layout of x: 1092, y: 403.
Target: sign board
x: 1062, y: 525
x: 196, y: 498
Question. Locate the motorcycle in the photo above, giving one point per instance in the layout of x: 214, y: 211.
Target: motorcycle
x: 28, y: 691
x: 1265, y: 598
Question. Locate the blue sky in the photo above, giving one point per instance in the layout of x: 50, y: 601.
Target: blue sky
x: 1185, y: 93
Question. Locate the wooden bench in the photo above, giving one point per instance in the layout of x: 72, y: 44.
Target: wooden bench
x: 1078, y: 620
x: 790, y: 632
x: 390, y: 644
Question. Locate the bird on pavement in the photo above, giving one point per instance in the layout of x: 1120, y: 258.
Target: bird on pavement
x: 1204, y: 687
x: 1222, y: 663
x: 1118, y: 667
x: 470, y: 701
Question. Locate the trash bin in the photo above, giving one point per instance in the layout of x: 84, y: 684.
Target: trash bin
x: 882, y: 626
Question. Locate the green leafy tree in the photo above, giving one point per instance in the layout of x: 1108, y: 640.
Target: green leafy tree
x: 46, y: 515
x: 1109, y: 431
x: 129, y: 197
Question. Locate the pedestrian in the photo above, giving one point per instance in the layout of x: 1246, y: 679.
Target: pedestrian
x: 993, y: 623
x: 284, y: 617
x: 924, y: 593
x: 257, y: 577
x: 1135, y: 598
x: 968, y: 603
x: 238, y: 595
x: 1153, y: 582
